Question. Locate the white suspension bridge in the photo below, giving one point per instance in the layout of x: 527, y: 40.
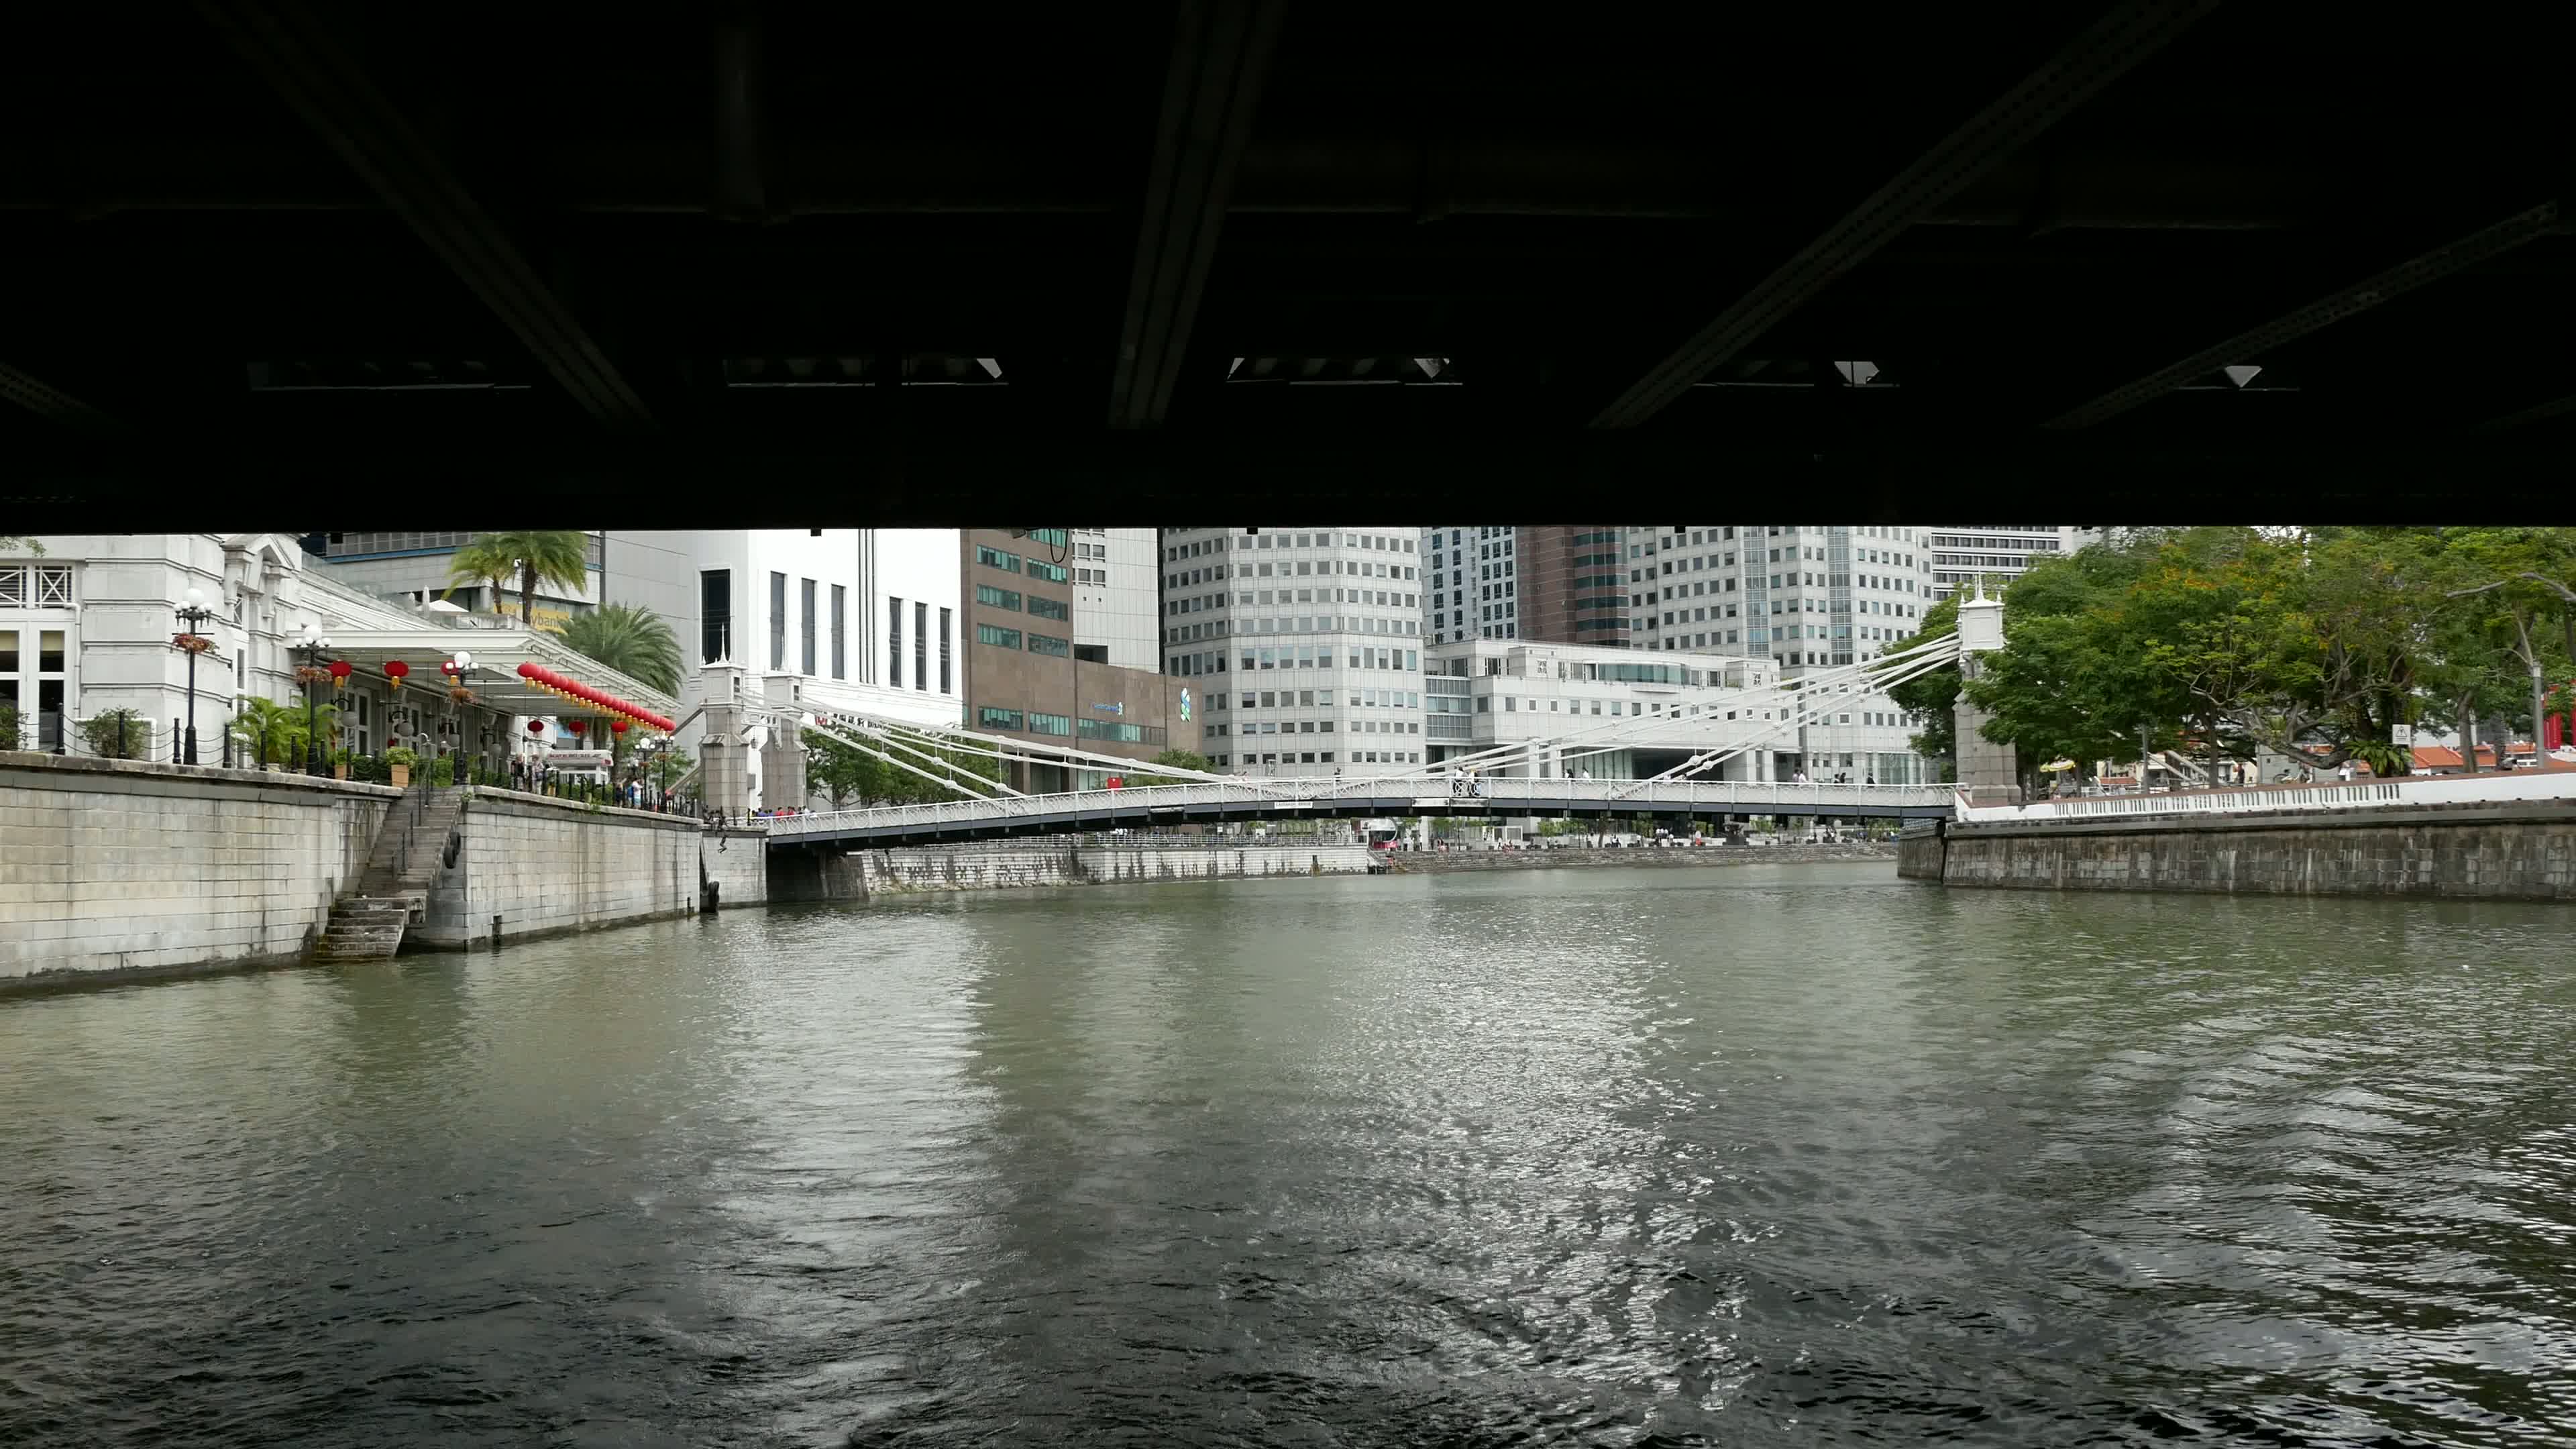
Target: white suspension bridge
x: 1521, y: 778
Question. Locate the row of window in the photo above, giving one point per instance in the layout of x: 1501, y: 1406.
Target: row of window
x: 715, y: 626
x: 35, y: 586
x: 997, y: 637
x: 1029, y: 721
x: 1315, y: 727
x: 1287, y: 624
x: 1377, y: 542
x: 1321, y: 699
x: 1038, y: 604
x: 1325, y: 757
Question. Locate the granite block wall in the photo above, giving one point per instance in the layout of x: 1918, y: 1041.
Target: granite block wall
x: 120, y: 867
x: 2511, y: 852
x: 545, y: 866
x: 1005, y: 864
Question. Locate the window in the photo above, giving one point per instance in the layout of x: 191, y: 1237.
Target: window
x: 894, y: 641
x: 840, y: 606
x: 1049, y: 608
x: 997, y: 637
x: 995, y: 558
x: 1049, y: 724
x: 1052, y: 573
x: 993, y: 717
x: 715, y: 616
x: 994, y: 598
x: 945, y: 675
x: 778, y: 621
x: 806, y: 597
x: 1049, y: 644
x: 921, y: 646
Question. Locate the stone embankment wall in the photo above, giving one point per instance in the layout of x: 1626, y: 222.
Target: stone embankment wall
x: 1920, y: 851
x: 2479, y: 852
x: 1440, y: 862
x: 545, y: 866
x: 1003, y: 865
x: 734, y: 862
x: 115, y: 868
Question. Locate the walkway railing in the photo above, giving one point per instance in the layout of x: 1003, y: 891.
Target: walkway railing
x: 2518, y: 785
x: 1398, y: 796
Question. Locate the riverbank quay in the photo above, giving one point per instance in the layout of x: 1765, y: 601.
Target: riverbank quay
x: 1453, y: 862
x: 121, y: 870
x: 1023, y: 864
x: 2469, y: 850
x: 126, y: 870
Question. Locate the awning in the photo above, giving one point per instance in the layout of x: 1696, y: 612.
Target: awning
x: 558, y: 683
x: 494, y: 677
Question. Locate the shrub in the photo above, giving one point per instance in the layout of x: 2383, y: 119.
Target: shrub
x: 101, y: 734
x: 442, y: 771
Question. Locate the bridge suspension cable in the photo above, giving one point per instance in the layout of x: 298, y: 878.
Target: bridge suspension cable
x: 1805, y: 711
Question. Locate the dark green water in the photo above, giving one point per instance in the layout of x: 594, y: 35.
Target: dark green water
x: 1764, y: 1155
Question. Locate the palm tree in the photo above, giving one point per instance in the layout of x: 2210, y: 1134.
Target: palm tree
x: 547, y: 555
x: 633, y: 641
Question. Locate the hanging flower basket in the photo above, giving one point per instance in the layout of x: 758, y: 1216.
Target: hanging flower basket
x: 310, y: 674
x: 460, y: 694
x: 193, y: 643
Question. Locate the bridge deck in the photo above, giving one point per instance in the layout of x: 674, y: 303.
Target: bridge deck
x: 1088, y: 810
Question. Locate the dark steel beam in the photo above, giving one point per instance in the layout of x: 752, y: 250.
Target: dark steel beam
x: 2250, y: 345
x: 2537, y: 413
x: 1221, y: 51
x: 291, y: 50
x: 2130, y: 33
x: 45, y: 400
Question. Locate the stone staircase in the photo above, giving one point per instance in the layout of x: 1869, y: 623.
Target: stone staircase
x: 392, y: 891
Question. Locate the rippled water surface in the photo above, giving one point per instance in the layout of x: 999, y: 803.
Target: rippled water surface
x: 1764, y: 1155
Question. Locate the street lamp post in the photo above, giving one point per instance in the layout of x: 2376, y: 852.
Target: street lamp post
x: 313, y: 644
x: 192, y: 616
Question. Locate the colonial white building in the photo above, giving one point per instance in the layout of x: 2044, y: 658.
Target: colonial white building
x: 836, y: 620
x: 88, y: 628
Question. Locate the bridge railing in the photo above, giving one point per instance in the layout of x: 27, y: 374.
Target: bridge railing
x: 2518, y: 785
x: 1396, y: 795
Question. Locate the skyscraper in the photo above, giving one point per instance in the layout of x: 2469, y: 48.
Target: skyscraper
x: 1310, y: 642
x: 1560, y: 584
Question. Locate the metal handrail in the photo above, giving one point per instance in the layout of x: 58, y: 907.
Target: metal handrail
x: 1758, y: 797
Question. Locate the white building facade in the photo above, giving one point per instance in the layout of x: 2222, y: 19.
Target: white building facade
x: 1473, y: 578
x: 1956, y: 556
x: 1310, y: 641
x: 829, y: 621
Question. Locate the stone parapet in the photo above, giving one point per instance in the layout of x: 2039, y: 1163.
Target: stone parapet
x: 2481, y: 852
x: 531, y: 865
x: 114, y: 869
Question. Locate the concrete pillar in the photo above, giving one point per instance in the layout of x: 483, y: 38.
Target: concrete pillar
x: 1989, y: 773
x: 724, y: 779
x: 782, y: 769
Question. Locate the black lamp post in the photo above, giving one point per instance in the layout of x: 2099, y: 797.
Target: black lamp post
x: 192, y: 617
x: 312, y: 645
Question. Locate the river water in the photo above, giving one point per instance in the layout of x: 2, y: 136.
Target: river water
x: 1759, y: 1155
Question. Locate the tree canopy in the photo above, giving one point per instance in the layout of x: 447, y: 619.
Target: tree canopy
x: 852, y: 778
x: 634, y: 641
x: 532, y: 556
x: 2225, y: 641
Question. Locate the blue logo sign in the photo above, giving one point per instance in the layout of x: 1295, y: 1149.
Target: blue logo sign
x: 1185, y: 704
x: 1118, y: 708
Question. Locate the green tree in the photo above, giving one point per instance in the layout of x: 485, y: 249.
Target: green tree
x: 2512, y: 581
x: 276, y: 729
x: 22, y: 543
x: 633, y: 641
x: 1174, y: 758
x: 849, y: 776
x: 533, y: 556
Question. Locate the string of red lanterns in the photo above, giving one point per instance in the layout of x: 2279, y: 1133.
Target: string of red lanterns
x: 573, y: 689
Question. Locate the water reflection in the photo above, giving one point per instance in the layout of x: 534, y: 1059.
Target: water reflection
x: 1745, y: 1156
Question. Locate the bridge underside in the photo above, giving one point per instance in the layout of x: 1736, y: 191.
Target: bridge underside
x: 362, y: 259
x: 1095, y: 818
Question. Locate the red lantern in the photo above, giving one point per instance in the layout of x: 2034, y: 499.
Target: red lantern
x: 575, y: 726
x: 536, y: 726
x: 617, y: 726
x: 339, y: 674
x: 395, y: 672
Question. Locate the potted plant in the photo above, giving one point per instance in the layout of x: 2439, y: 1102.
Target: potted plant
x: 340, y: 764
x: 442, y: 772
x: 398, y: 763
